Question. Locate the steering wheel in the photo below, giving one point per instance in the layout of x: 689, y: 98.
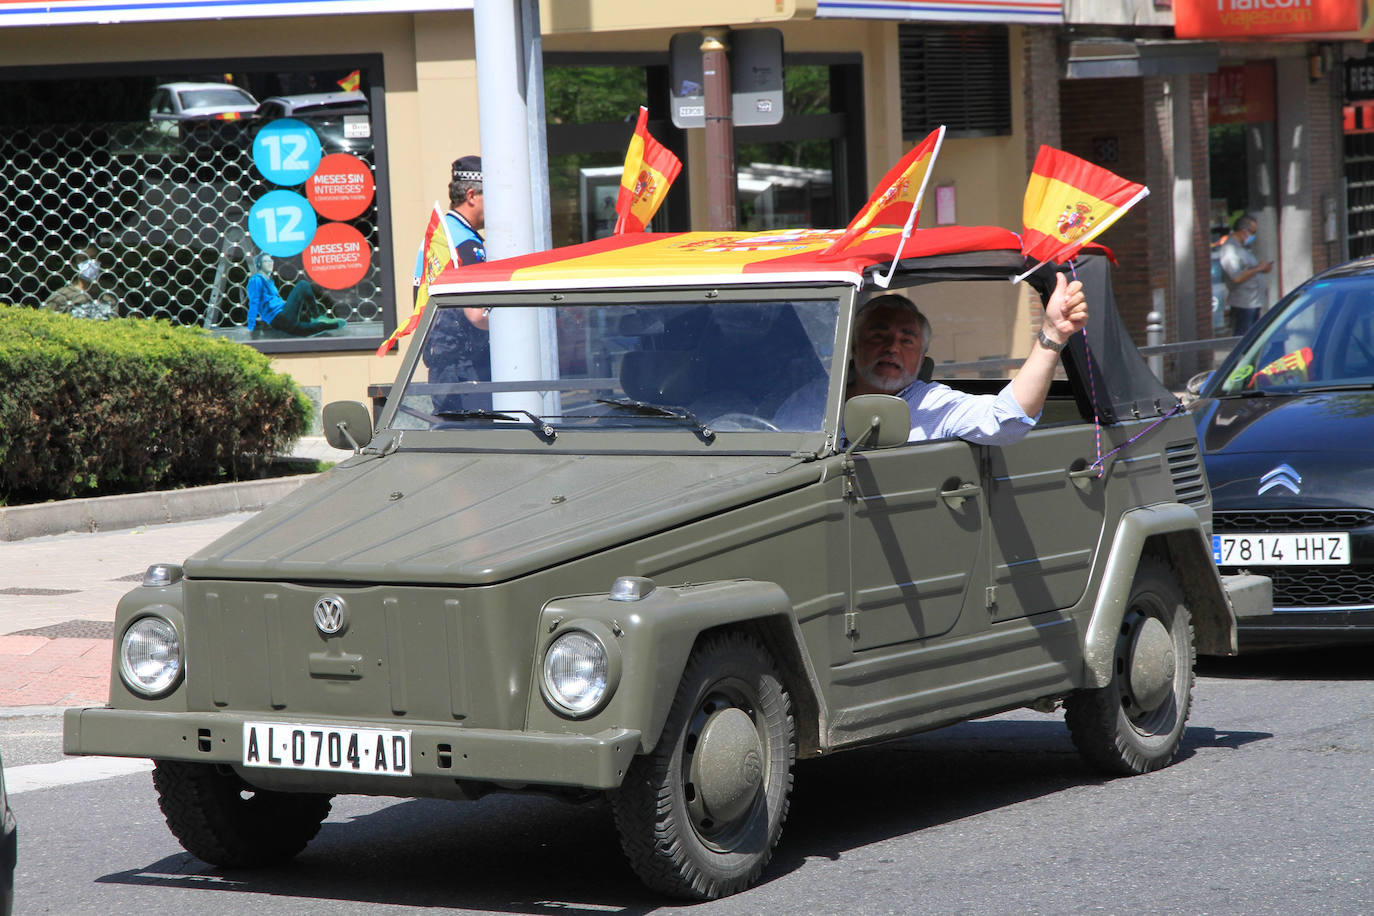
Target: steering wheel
x: 738, y: 420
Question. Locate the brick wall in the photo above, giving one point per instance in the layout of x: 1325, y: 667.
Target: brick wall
x: 1325, y: 163
x: 1104, y: 122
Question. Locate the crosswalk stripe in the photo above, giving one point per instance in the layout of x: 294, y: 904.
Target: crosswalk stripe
x: 70, y: 772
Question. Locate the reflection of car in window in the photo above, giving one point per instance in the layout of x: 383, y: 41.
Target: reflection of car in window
x: 205, y: 101
x: 342, y: 119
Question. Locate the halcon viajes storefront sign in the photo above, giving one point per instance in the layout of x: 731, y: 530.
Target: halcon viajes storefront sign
x: 1243, y: 18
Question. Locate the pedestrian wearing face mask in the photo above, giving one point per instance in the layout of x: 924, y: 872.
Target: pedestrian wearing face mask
x: 1247, y: 289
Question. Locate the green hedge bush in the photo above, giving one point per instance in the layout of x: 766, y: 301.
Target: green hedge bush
x: 94, y: 407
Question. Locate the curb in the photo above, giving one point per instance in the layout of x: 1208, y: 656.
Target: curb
x: 132, y: 510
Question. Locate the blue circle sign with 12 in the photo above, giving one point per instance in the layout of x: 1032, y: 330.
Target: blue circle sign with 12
x: 286, y: 152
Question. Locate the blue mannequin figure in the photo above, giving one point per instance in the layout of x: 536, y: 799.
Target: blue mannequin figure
x: 292, y: 316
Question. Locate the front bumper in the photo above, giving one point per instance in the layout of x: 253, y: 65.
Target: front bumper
x: 442, y: 757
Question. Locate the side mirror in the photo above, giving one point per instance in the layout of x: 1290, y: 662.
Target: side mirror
x: 1197, y: 382
x: 347, y: 424
x: 876, y: 421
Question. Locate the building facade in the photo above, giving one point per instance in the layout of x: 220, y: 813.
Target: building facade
x: 104, y: 159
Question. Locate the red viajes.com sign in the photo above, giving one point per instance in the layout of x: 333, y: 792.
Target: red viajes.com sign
x: 1240, y: 18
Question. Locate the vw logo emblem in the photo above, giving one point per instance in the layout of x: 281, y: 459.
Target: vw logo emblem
x: 330, y: 615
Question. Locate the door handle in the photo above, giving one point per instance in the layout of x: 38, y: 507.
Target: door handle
x: 955, y: 498
x: 1083, y: 477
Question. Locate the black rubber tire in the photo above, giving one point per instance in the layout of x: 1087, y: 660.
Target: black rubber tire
x: 1110, y: 731
x: 222, y: 820
x: 669, y: 846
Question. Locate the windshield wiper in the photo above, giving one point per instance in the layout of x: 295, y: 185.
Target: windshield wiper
x: 476, y: 413
x: 1344, y: 386
x: 662, y: 410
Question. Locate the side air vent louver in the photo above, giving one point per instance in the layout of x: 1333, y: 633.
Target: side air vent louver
x: 1185, y: 470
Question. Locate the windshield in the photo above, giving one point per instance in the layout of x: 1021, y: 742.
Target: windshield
x: 1322, y: 337
x: 216, y: 98
x: 759, y: 365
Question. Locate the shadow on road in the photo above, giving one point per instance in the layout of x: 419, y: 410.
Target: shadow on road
x: 1346, y: 663
x: 530, y: 855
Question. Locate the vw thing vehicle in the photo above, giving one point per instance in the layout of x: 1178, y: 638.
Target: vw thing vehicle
x: 657, y: 557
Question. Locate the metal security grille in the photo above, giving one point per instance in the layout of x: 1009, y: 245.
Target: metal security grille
x: 958, y: 76
x: 163, y: 211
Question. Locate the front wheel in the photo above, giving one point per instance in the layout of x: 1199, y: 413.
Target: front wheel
x: 699, y: 816
x: 1135, y: 723
x: 222, y: 820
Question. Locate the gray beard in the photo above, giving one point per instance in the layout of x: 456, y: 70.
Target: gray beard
x: 886, y: 385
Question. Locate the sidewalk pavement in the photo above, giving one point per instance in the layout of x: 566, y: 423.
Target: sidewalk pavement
x: 65, y: 565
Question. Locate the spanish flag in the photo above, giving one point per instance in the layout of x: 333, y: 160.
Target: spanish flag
x: 436, y: 253
x: 1069, y: 202
x: 350, y: 83
x: 897, y: 199
x: 650, y: 168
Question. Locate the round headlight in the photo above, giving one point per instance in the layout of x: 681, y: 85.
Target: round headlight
x: 577, y: 673
x: 150, y: 656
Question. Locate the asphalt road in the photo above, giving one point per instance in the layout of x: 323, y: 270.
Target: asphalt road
x: 1268, y: 810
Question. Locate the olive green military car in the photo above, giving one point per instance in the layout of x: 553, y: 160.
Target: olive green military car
x: 644, y: 548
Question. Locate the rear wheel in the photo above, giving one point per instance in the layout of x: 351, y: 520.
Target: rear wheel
x: 219, y: 818
x: 1135, y: 724
x: 700, y: 815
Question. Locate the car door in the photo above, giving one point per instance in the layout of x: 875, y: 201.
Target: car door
x: 916, y: 523
x: 1045, y: 509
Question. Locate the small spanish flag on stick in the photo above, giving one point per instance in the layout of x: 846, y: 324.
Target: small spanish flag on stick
x: 896, y: 201
x: 650, y: 168
x: 436, y: 254
x: 350, y: 83
x: 1070, y: 202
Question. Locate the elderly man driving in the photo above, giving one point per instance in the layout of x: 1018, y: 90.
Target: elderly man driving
x: 891, y: 339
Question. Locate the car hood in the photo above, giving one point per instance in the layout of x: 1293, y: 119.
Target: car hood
x: 454, y: 518
x: 1322, y: 443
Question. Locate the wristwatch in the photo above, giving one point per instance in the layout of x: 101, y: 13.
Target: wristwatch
x: 1047, y: 343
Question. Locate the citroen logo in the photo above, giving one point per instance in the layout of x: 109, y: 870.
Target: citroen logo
x: 1281, y: 476
x: 331, y: 615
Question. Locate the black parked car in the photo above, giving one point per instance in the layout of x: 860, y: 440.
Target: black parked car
x: 1287, y: 431
x: 8, y: 848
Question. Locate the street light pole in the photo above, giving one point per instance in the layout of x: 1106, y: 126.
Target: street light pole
x: 720, y: 129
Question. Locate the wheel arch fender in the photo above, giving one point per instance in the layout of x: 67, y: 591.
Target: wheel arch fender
x: 1174, y: 532
x: 656, y: 634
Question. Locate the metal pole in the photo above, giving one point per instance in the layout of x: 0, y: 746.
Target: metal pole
x: 1154, y: 333
x: 720, y: 129
x: 502, y: 117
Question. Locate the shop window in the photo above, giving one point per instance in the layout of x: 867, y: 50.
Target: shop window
x: 797, y: 174
x: 167, y: 185
x: 806, y: 171
x: 958, y: 76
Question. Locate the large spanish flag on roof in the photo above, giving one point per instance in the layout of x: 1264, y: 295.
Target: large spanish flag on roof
x: 650, y: 168
x: 1069, y: 202
x: 896, y: 201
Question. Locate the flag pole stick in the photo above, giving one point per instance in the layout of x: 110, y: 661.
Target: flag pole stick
x: 915, y: 214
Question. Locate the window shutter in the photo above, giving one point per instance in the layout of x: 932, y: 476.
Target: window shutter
x: 957, y: 76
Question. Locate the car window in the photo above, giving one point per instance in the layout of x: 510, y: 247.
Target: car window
x: 1323, y: 336
x: 742, y: 365
x: 226, y: 97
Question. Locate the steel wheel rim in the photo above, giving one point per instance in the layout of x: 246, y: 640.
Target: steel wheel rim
x: 1161, y: 719
x: 717, y: 835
